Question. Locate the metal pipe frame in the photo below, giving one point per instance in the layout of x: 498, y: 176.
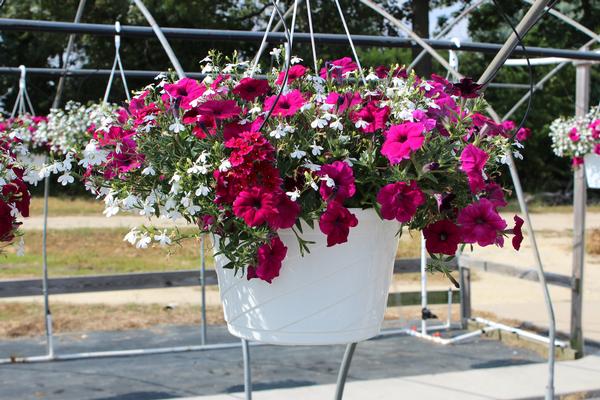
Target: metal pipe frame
x: 276, y: 37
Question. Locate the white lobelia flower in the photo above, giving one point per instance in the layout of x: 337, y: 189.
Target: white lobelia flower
x: 276, y: 52
x: 316, y: 149
x: 278, y: 132
x: 225, y: 166
x: 295, y: 60
x: 131, y: 236
x: 297, y: 153
x: 147, y: 209
x: 149, y: 171
x: 130, y: 201
x: 337, y: 124
x: 318, y: 123
x: 202, y: 191
x: 176, y: 127
x: 361, y: 123
x: 294, y: 195
x: 328, y: 181
x: 193, y: 209
x: 143, y: 242
x: 111, y: 210
x: 65, y: 179
x: 371, y: 77
x: 163, y: 239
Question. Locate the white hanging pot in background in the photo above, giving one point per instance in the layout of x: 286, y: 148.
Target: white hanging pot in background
x: 592, y: 170
x: 332, y: 295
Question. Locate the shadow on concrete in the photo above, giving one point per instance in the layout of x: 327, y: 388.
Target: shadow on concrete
x: 286, y: 384
x: 140, y: 396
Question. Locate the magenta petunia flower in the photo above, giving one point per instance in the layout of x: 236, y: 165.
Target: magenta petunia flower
x: 185, y: 90
x: 495, y: 194
x: 382, y: 71
x: 480, y: 223
x: 343, y: 101
x: 337, y: 181
x: 249, y: 88
x: 255, y: 206
x: 577, y: 161
x: 573, y: 135
x: 401, y: 140
x: 338, y: 68
x: 371, y: 117
x: 287, y: 213
x: 220, y: 109
x: 442, y: 237
x: 295, y: 72
x: 287, y: 105
x: 472, y: 162
x: 400, y: 200
x: 523, y: 134
x: 336, y: 222
x: 518, y: 232
x: 270, y: 257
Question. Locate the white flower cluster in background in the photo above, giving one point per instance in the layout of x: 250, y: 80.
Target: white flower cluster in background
x: 576, y: 136
x: 69, y: 129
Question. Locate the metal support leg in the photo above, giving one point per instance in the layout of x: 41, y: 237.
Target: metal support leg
x: 203, y: 290
x: 247, y: 375
x: 47, y: 313
x: 423, y: 284
x: 344, y: 368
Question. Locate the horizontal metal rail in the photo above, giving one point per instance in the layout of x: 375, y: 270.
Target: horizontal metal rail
x: 151, y: 74
x: 276, y: 37
x: 145, y: 280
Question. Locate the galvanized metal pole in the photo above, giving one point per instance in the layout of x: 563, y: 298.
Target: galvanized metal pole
x: 582, y: 102
x: 161, y: 38
x: 530, y: 18
x: 203, y: 289
x: 61, y: 82
x: 343, y: 372
x: 247, y: 371
x: 47, y: 313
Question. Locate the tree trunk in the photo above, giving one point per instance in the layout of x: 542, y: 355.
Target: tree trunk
x: 420, y: 25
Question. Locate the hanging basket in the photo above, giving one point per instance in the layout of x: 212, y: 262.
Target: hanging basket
x: 592, y: 170
x: 332, y: 295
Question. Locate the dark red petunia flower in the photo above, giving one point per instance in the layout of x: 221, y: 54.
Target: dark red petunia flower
x: 336, y: 222
x: 518, y: 232
x: 250, y: 88
x: 442, y: 237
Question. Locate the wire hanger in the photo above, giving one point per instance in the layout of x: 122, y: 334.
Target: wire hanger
x: 114, y: 67
x: 22, y: 102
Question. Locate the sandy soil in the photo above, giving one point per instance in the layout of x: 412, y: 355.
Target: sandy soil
x: 505, y: 296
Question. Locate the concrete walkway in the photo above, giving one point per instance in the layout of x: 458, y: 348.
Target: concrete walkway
x: 515, y: 382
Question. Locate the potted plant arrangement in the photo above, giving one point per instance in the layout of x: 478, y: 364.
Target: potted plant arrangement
x: 305, y: 182
x: 579, y: 139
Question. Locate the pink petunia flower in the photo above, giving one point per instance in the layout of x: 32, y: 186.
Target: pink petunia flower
x: 371, y: 117
x: 295, y: 72
x: 577, y: 161
x: 597, y: 148
x: 442, y: 237
x: 400, y: 200
x: 337, y: 181
x: 336, y: 222
x: 249, y: 88
x: 472, y: 162
x: 402, y: 140
x: 185, y: 90
x: 255, y: 206
x: 337, y: 69
x: 220, y: 109
x: 523, y: 134
x: 270, y: 257
x: 343, y: 101
x: 573, y: 135
x: 287, y: 105
x: 480, y: 223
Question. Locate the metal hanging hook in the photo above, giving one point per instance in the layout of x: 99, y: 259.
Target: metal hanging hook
x: 117, y: 62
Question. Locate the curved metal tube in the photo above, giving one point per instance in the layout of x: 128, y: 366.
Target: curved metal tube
x: 343, y: 372
x: 161, y: 38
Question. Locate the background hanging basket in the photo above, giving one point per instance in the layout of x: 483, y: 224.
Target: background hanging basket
x: 333, y: 295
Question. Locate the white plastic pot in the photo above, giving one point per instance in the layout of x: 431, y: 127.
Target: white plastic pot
x: 332, y: 295
x: 592, y: 170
